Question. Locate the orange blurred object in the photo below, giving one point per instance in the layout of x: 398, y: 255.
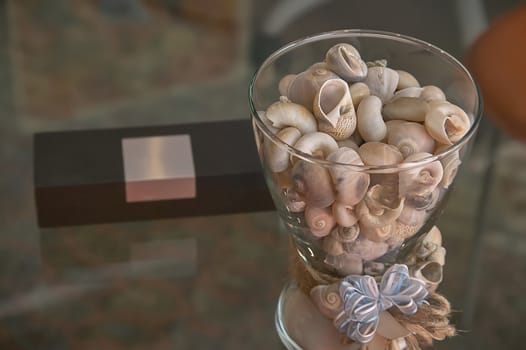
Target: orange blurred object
x: 497, y: 60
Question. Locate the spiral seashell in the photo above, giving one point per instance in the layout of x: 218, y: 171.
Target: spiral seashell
x: 370, y: 123
x: 382, y: 82
x: 304, y: 87
x: 446, y: 122
x: 331, y: 245
x: 451, y: 164
x: 313, y: 183
x: 344, y: 214
x: 406, y: 80
x: 283, y: 114
x: 429, y: 272
x: 419, y: 180
x: 350, y: 185
x: 345, y: 60
x: 432, y: 93
x: 379, y: 154
x: 377, y: 234
x: 358, y: 91
x: 263, y: 116
x: 414, y: 92
x: 412, y: 109
x: 367, y: 249
x: 378, y: 210
x: 347, y: 234
x: 327, y: 299
x: 277, y: 156
x: 425, y: 201
x: 285, y: 83
x: 317, y: 144
x: 319, y: 220
x: 410, y: 138
x: 428, y: 243
x: 343, y: 129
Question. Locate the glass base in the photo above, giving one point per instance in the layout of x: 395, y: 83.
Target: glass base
x: 301, y: 326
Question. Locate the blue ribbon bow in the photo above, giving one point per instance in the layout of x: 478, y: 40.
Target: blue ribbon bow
x: 364, y: 299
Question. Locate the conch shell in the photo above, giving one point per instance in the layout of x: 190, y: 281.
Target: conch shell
x: 420, y: 180
x: 283, y: 114
x: 350, y: 185
x: 345, y: 60
x: 334, y: 109
x: 313, y: 183
x: 304, y: 86
x: 446, y: 122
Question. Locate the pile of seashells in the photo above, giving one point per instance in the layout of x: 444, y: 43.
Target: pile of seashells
x: 375, y: 127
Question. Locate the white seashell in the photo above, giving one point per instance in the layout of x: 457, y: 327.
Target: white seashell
x: 429, y: 272
x: 344, y: 214
x: 428, y: 243
x: 432, y: 93
x: 358, y: 91
x: 446, y: 122
x: 371, y: 125
x: 327, y: 299
x: 285, y: 83
x: 377, y: 234
x: 334, y: 109
x: 313, y: 183
x: 439, y: 256
x: 319, y: 220
x: 410, y: 138
x: 382, y: 82
x: 347, y: 234
x: 283, y: 114
x: 350, y: 185
x: 379, y: 154
x: 348, y: 143
x: 317, y: 144
x: 345, y: 60
x: 378, y: 210
x: 277, y: 155
x: 406, y: 108
x: 262, y: 115
x: 451, y: 164
x: 419, y: 180
x: 407, y: 92
x: 304, y: 87
x: 406, y: 80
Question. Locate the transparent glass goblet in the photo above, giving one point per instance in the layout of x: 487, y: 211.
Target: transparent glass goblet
x: 394, y: 204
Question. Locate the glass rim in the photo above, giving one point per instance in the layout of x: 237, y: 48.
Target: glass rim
x: 346, y: 33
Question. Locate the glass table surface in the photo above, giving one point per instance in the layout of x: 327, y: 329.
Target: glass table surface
x: 207, y: 282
